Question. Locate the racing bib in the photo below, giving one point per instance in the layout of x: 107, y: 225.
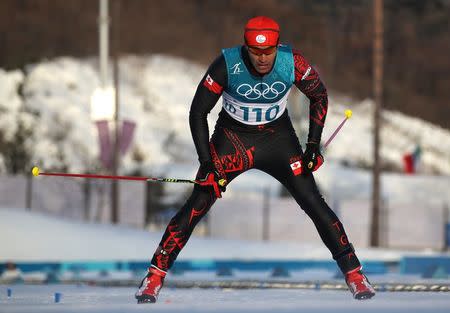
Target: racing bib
x: 257, y: 100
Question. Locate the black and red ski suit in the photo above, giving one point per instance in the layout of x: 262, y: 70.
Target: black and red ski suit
x: 270, y: 147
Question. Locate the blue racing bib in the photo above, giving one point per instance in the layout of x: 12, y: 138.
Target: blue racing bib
x: 258, y: 100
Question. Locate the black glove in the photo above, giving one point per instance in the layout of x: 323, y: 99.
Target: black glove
x: 312, y: 159
x: 208, y: 175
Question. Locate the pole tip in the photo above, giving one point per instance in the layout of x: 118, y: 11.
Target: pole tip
x: 348, y: 113
x: 35, y: 171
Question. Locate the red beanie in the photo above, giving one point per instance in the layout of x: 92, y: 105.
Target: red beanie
x: 261, y: 31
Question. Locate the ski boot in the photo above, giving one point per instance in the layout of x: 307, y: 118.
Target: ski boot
x: 150, y: 286
x: 359, y: 285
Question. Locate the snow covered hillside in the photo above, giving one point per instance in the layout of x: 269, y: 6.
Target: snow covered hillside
x: 156, y: 92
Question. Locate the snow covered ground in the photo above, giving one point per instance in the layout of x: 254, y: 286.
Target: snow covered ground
x: 88, y: 299
x: 26, y: 236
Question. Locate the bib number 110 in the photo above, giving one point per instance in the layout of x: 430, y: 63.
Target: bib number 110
x: 269, y: 114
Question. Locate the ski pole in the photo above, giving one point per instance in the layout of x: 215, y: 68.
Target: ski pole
x: 348, y: 114
x: 36, y: 172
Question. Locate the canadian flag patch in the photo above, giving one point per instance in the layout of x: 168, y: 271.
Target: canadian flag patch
x: 209, y: 80
x: 212, y: 85
x: 296, y: 167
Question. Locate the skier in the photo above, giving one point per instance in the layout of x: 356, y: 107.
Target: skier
x: 254, y: 131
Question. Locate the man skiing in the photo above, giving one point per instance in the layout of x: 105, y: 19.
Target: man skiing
x: 254, y: 131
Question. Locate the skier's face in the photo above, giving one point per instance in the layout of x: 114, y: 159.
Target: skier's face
x: 262, y: 58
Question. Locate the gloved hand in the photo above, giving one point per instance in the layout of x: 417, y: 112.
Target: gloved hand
x: 312, y: 159
x: 209, y: 176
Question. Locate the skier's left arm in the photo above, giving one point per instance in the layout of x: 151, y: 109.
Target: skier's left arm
x: 308, y: 82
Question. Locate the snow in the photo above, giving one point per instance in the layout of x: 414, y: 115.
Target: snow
x: 400, y: 134
x: 99, y: 300
x: 10, y: 101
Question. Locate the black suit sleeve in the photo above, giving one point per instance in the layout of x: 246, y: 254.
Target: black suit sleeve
x: 308, y: 81
x: 208, y: 92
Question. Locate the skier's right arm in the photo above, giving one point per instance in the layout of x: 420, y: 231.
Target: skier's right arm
x: 208, y: 92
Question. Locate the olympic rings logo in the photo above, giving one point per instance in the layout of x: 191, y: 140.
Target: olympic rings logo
x: 261, y: 90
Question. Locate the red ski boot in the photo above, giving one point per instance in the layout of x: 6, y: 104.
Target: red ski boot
x: 150, y: 286
x: 359, y: 285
